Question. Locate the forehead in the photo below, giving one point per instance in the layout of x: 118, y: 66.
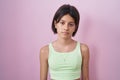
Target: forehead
x: 67, y: 18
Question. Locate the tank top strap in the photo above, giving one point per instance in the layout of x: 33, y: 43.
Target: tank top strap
x: 50, y: 46
x: 78, y: 49
x: 78, y: 46
x: 51, y: 49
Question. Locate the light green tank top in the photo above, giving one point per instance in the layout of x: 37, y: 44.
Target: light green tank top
x: 65, y: 66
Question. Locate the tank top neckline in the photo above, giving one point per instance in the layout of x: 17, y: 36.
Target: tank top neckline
x: 69, y: 52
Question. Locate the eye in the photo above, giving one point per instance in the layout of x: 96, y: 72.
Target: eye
x: 71, y: 24
x: 62, y: 23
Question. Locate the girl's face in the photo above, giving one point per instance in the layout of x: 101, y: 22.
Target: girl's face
x: 65, y: 27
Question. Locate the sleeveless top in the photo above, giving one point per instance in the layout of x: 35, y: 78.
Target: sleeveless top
x: 65, y: 65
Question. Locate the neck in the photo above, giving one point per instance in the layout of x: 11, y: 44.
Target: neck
x: 64, y: 41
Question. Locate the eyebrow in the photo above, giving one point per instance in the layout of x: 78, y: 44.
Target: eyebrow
x: 65, y: 21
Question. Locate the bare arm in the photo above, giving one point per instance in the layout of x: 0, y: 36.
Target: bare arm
x: 43, y: 63
x: 85, y: 62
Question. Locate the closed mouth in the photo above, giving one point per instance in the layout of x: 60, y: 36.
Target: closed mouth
x: 65, y: 32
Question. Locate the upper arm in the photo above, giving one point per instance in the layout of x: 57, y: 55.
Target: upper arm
x: 85, y: 61
x: 43, y: 63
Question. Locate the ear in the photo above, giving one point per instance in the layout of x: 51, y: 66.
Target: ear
x: 55, y: 23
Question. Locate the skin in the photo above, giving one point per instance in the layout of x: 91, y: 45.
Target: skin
x: 64, y: 43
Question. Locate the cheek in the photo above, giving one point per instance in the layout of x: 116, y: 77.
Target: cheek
x: 59, y: 29
x: 74, y: 28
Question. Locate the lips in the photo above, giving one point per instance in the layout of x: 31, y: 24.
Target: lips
x: 65, y: 32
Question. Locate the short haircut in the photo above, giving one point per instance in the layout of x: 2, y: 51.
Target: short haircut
x: 64, y: 10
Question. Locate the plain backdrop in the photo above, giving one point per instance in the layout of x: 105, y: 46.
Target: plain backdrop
x: 25, y: 26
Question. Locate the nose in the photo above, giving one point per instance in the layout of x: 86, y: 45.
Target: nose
x: 66, y: 27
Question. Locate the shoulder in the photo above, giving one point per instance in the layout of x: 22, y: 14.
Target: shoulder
x: 44, y: 51
x: 84, y: 49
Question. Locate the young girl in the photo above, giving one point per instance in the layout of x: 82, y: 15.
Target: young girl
x: 65, y: 58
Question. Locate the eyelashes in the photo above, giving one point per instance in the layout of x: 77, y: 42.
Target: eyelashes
x: 69, y: 24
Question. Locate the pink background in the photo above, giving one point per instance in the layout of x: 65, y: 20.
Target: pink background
x: 25, y: 26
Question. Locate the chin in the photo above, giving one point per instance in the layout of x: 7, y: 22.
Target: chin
x: 66, y: 37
